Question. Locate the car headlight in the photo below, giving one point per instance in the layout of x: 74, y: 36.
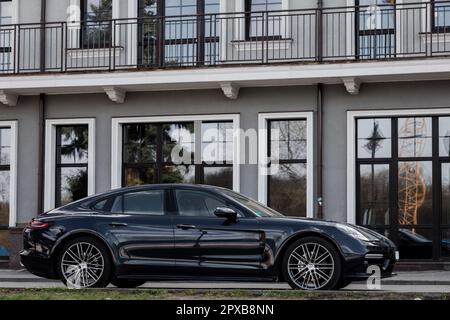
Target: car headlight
x: 353, y: 232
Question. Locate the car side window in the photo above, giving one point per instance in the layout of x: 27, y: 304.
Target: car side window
x: 193, y: 203
x: 148, y: 202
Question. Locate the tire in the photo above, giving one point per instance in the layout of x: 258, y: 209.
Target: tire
x: 84, y: 263
x: 342, y: 283
x: 315, y: 265
x: 127, y: 283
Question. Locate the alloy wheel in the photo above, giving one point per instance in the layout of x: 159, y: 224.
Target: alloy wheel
x: 82, y: 265
x: 311, y: 266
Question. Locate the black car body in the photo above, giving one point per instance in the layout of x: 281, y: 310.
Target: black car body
x: 250, y: 245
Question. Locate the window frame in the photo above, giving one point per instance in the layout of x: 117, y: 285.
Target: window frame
x: 108, y: 43
x: 263, y: 120
x: 353, y: 168
x: 117, y: 141
x: 13, y: 167
x: 50, y: 157
x: 434, y: 28
x: 248, y: 22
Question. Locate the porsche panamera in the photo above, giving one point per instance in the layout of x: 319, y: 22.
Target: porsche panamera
x: 192, y: 232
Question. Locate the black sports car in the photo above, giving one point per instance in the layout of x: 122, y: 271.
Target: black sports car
x: 129, y: 236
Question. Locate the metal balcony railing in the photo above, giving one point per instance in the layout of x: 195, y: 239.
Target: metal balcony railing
x: 413, y: 30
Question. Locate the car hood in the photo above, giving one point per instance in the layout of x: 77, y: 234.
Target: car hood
x: 373, y: 236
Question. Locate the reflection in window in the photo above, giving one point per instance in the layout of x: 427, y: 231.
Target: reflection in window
x: 415, y: 243
x: 415, y: 137
x: 374, y: 194
x: 445, y: 243
x: 376, y: 28
x: 150, y: 202
x: 96, y: 29
x: 6, y: 35
x: 441, y: 15
x: 415, y: 196
x: 196, y: 203
x: 164, y: 153
x: 446, y: 194
x: 217, y: 154
x: 5, y: 149
x: 257, y: 13
x: 374, y: 138
x: 71, y: 163
x: 287, y: 186
x: 444, y: 136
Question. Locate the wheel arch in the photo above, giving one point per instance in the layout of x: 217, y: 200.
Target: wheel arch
x: 79, y: 234
x: 297, y: 236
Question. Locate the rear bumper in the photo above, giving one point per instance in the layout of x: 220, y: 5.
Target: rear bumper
x: 38, y: 265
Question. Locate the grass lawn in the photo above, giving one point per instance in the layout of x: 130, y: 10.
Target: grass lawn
x: 199, y: 294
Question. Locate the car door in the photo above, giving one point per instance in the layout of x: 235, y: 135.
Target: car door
x: 213, y: 246
x: 142, y: 231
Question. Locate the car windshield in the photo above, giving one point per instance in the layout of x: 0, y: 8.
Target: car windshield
x: 257, y: 208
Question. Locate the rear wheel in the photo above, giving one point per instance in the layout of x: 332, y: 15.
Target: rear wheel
x: 312, y: 263
x: 84, y: 263
x: 127, y: 283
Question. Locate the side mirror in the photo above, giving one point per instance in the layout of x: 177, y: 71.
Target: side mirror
x: 226, y: 213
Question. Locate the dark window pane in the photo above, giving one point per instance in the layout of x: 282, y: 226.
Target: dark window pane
x: 71, y: 185
x: 374, y: 138
x: 149, y: 202
x: 446, y: 193
x: 445, y: 244
x: 415, y: 243
x: 415, y: 198
x: 148, y: 8
x: 217, y: 142
x: 139, y: 176
x: 97, y: 27
x: 441, y: 13
x: 220, y: 177
x: 72, y: 145
x: 5, y: 146
x: 4, y: 198
x: 178, y: 174
x: 374, y: 194
x: 4, y: 244
x: 178, y: 143
x: 415, y: 137
x: 287, y: 189
x: 197, y: 204
x: 444, y: 137
x: 100, y: 206
x: 140, y: 143
x: 288, y: 139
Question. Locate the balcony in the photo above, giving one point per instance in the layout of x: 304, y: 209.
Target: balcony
x: 311, y: 39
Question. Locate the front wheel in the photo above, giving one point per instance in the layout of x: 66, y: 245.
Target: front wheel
x: 312, y: 263
x: 84, y: 263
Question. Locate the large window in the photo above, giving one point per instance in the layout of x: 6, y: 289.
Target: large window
x: 440, y: 15
x: 260, y: 21
x: 376, y: 29
x: 71, y: 163
x: 96, y: 30
x: 402, y: 173
x: 167, y: 153
x: 6, y: 35
x: 287, y: 140
x: 5, y: 167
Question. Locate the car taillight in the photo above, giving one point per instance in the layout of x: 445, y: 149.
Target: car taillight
x: 36, y: 224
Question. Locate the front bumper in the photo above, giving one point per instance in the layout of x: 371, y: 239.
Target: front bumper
x: 377, y: 261
x: 38, y: 265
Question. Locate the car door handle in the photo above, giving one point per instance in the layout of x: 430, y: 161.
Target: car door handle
x: 186, y: 226
x: 118, y: 224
